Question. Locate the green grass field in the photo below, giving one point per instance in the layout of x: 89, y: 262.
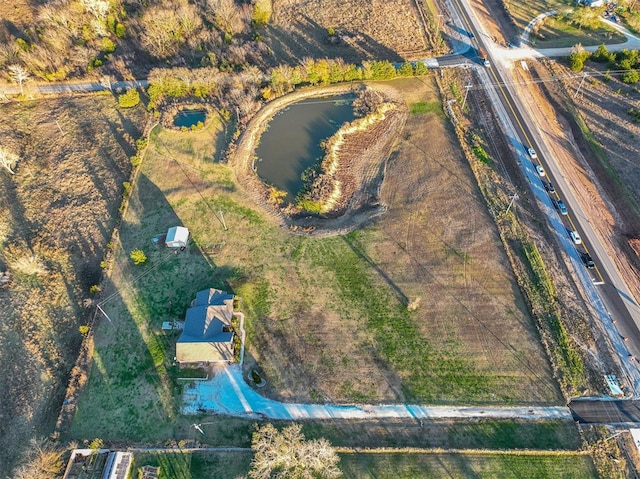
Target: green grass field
x: 382, y: 465
x: 465, y: 465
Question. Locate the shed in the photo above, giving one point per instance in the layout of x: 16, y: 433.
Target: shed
x: 177, y: 237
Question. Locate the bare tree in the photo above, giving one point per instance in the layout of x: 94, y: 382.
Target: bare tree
x: 19, y: 74
x: 8, y: 160
x: 168, y: 26
x: 287, y: 454
x: 42, y: 461
x: 228, y: 16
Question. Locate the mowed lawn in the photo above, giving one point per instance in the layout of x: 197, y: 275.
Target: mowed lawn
x: 383, y: 465
x: 464, y: 465
x: 421, y: 306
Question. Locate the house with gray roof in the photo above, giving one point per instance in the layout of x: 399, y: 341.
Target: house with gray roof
x: 207, y: 336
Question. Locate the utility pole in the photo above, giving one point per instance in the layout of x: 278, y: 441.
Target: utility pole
x: 224, y: 224
x: 584, y: 75
x: 513, y: 197
x: 105, y: 314
x: 466, y: 92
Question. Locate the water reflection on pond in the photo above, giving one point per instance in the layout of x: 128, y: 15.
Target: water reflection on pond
x: 292, y: 142
x: 188, y: 118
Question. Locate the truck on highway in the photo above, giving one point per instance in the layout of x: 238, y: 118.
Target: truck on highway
x: 482, y: 54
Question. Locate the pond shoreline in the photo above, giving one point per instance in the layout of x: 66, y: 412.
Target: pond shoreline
x: 362, y: 207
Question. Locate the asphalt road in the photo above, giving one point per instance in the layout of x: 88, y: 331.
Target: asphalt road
x: 605, y: 412
x: 616, y: 309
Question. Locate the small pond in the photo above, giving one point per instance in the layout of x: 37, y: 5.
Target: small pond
x: 291, y: 143
x: 188, y: 118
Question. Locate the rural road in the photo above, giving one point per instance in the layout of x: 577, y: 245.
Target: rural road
x: 228, y: 393
x: 522, y: 131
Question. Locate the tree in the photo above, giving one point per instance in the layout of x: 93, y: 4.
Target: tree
x: 42, y: 461
x: 262, y: 10
x: 19, y: 74
x: 169, y: 26
x: 577, y: 58
x: 287, y: 454
x: 138, y: 257
x: 129, y: 99
x: 8, y: 160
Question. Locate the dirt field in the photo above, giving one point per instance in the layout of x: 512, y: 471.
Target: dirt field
x: 56, y: 216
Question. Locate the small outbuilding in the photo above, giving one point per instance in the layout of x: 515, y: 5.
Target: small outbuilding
x: 177, y: 237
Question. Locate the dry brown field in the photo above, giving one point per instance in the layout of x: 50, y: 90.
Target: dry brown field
x: 376, y: 30
x: 56, y: 215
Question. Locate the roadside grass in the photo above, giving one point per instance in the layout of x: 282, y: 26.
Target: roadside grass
x: 605, y: 162
x: 533, y: 278
x: 466, y: 464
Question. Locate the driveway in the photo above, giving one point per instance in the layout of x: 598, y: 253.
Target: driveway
x: 227, y: 393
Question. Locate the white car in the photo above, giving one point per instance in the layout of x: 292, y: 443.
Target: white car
x: 540, y: 170
x: 575, y: 237
x: 532, y: 153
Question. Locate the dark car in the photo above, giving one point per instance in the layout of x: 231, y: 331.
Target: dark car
x: 588, y: 260
x: 549, y: 187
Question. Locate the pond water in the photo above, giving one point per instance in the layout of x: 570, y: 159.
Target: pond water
x: 291, y: 144
x: 188, y: 118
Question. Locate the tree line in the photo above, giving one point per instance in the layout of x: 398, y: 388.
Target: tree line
x: 626, y: 62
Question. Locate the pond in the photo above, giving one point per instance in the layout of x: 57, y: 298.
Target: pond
x: 291, y: 143
x: 188, y: 118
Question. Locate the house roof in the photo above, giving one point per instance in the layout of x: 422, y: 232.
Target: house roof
x: 203, y: 337
x: 212, y: 296
x: 205, y: 324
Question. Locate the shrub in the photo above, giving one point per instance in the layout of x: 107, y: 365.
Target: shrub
x: 631, y: 76
x: 120, y: 31
x: 138, y: 257
x: 141, y: 143
x: 94, y: 289
x: 84, y: 329
x: 135, y: 160
x: 577, y: 58
x: 129, y: 99
x: 261, y: 13
x: 420, y: 69
x: 405, y: 70
x: 108, y: 46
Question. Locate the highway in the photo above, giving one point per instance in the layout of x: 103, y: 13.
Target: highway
x: 615, y: 308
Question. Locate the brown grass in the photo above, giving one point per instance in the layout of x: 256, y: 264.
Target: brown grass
x: 57, y: 213
x: 368, y: 30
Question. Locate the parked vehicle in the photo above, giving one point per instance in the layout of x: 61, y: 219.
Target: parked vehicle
x: 575, y: 237
x: 532, y: 153
x: 587, y: 260
x: 540, y: 170
x: 549, y: 187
